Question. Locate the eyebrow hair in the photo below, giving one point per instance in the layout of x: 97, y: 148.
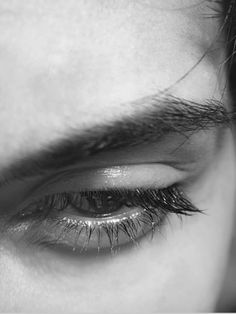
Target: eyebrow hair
x: 158, y: 117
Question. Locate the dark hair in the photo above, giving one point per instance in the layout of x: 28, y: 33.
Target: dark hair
x: 229, y: 24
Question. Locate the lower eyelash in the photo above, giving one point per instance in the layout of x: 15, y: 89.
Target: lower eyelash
x: 129, y: 226
x: 153, y: 206
x: 130, y: 230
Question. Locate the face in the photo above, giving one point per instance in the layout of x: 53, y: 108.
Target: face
x: 117, y: 227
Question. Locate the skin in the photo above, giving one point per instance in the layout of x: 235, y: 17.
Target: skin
x: 71, y: 64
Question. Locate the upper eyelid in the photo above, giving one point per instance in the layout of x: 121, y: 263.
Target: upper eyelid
x: 132, y: 176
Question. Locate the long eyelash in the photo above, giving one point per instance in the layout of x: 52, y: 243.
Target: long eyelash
x: 156, y: 204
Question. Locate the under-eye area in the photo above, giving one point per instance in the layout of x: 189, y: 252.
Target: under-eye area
x: 96, y: 221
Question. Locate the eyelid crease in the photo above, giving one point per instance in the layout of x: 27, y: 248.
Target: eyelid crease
x: 127, y: 176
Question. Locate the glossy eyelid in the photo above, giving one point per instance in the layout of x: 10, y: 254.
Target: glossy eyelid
x: 125, y: 176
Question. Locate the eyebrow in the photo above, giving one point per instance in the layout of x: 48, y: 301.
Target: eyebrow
x: 159, y: 116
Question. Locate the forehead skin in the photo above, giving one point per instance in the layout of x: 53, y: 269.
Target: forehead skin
x: 59, y: 58
x: 70, y: 64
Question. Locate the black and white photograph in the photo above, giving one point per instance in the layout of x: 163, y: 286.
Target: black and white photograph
x: 117, y: 156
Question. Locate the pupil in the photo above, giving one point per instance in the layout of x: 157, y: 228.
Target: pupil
x: 103, y: 203
x: 99, y: 203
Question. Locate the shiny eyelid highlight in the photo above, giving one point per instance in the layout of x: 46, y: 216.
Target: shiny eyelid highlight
x: 97, y: 220
x: 115, y: 177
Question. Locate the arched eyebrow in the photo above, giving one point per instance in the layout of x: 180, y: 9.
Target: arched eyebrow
x: 153, y: 119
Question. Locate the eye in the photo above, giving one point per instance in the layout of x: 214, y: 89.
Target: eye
x: 97, y: 220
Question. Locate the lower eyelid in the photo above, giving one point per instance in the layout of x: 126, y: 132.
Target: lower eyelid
x: 82, y: 235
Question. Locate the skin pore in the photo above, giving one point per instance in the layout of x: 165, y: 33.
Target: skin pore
x: 67, y: 66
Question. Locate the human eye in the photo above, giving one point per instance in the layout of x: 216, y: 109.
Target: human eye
x: 92, y: 218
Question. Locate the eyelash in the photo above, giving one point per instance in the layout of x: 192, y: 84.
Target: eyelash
x: 152, y: 207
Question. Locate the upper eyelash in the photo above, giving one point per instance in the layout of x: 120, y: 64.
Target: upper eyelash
x: 171, y: 199
x: 156, y: 204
